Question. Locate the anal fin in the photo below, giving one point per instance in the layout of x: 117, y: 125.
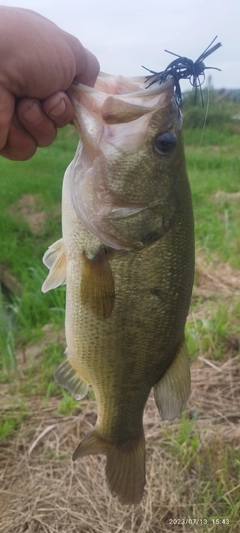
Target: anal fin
x: 172, y: 391
x: 125, y: 468
x: 67, y: 377
x: 97, y: 285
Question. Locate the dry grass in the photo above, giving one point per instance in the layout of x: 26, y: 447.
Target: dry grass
x: 215, y: 278
x: 190, y: 466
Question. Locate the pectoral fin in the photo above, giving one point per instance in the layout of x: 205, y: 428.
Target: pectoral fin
x: 52, y: 253
x: 67, y: 377
x: 97, y: 285
x: 55, y: 259
x: 171, y: 392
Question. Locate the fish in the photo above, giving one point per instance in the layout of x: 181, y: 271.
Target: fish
x: 127, y: 258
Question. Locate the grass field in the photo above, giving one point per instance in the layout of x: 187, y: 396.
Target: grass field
x: 193, y: 463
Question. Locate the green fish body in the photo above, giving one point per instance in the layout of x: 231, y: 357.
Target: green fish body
x: 127, y: 258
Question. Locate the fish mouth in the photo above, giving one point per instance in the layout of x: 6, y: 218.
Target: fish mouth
x: 115, y: 101
x: 119, y: 85
x: 120, y: 90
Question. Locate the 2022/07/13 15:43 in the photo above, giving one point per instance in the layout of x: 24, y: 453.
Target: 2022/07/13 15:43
x: 199, y: 521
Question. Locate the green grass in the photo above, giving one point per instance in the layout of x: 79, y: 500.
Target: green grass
x: 41, y: 383
x: 213, y: 167
x: 67, y: 404
x: 11, y: 420
x: 208, y: 333
x: 42, y: 176
x: 213, y: 163
x: 22, y: 250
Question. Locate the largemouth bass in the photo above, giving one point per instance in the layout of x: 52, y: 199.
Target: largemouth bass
x: 127, y: 258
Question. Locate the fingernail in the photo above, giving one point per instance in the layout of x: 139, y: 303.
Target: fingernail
x: 59, y: 109
x: 33, y: 114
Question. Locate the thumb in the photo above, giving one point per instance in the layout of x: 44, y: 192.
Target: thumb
x: 86, y: 63
x: 7, y: 105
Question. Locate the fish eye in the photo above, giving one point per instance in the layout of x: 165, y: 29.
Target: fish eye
x: 165, y: 142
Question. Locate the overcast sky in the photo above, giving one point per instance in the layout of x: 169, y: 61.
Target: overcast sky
x: 125, y: 34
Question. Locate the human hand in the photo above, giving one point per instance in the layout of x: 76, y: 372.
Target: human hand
x: 38, y: 64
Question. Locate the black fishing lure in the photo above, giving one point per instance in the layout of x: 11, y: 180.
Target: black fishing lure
x: 184, y: 68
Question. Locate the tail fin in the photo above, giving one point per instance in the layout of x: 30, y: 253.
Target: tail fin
x: 125, y: 468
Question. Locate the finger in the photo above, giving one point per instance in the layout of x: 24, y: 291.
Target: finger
x: 59, y: 108
x: 20, y: 144
x: 7, y: 103
x: 36, y: 122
